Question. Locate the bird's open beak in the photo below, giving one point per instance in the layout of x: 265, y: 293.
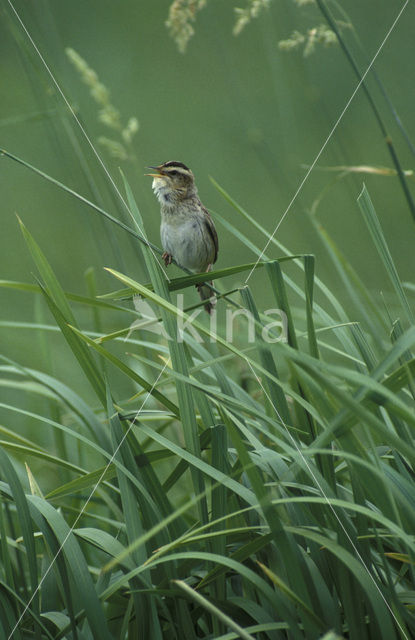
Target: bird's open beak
x: 154, y: 175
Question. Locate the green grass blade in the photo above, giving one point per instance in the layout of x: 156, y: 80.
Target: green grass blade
x: 63, y: 394
x: 179, y: 360
x: 214, y: 610
x: 73, y: 193
x: 25, y: 522
x: 320, y: 311
x: 309, y: 262
x: 376, y: 112
x: 149, y: 387
x: 52, y: 285
x: 275, y: 393
x: 78, y: 348
x: 85, y: 300
x: 382, y: 621
x: 77, y: 565
x: 375, y: 229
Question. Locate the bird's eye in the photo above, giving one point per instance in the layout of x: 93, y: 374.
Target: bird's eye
x: 174, y: 173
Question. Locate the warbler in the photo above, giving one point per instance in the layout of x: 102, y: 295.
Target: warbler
x: 187, y: 231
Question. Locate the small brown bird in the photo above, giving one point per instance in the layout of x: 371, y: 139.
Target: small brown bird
x: 187, y: 230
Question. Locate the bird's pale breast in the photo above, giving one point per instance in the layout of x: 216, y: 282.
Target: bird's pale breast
x: 188, y: 241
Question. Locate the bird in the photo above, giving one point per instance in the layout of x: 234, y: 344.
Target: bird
x: 188, y: 234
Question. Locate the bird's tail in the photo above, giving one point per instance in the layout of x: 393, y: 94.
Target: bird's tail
x: 207, y: 294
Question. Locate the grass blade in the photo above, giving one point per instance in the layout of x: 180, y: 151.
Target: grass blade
x: 373, y: 224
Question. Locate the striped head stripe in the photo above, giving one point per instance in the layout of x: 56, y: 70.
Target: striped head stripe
x: 172, y: 164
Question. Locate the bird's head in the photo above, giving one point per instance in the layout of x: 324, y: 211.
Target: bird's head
x: 172, y: 182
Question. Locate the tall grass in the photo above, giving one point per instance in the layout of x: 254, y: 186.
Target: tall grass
x: 204, y: 506
x: 213, y: 488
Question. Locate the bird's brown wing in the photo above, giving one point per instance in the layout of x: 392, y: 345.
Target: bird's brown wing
x: 210, y: 226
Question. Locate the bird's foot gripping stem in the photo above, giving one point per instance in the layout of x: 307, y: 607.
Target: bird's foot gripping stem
x: 167, y: 257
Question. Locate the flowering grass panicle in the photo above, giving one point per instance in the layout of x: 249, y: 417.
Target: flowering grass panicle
x: 244, y: 16
x: 316, y: 35
x: 179, y: 23
x: 108, y: 114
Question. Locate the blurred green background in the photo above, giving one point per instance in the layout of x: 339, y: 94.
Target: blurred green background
x: 235, y: 108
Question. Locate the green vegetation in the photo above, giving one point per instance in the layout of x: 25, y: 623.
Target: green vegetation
x: 166, y: 484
